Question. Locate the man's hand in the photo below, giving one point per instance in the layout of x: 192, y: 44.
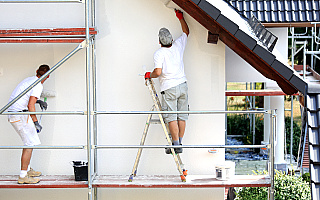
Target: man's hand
x: 43, y: 105
x: 179, y: 14
x: 183, y: 23
x: 147, y: 75
x: 38, y: 126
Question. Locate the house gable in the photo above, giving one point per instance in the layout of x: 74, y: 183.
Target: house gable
x: 244, y: 45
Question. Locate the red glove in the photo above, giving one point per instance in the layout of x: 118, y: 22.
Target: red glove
x: 179, y: 14
x: 147, y: 75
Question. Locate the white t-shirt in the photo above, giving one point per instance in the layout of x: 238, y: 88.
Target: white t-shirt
x: 171, y: 61
x: 22, y: 103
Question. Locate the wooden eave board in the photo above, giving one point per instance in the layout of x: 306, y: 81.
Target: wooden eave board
x: 172, y: 181
x: 48, y: 181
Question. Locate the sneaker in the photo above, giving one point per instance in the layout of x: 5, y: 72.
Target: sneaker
x: 176, y: 150
x: 33, y: 173
x: 28, y: 180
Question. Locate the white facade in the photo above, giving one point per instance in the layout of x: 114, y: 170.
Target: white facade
x: 126, y: 41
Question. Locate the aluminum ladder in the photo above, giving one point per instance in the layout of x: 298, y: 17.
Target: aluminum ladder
x: 157, y: 107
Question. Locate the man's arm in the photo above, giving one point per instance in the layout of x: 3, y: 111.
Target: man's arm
x: 154, y: 74
x: 32, y: 107
x: 184, y: 26
x: 183, y: 22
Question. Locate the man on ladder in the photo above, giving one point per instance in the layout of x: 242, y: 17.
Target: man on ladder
x: 169, y: 68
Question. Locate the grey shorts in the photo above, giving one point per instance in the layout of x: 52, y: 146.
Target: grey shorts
x: 175, y: 99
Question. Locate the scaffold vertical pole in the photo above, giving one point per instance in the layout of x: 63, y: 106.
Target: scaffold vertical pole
x: 88, y: 94
x: 94, y: 80
x: 271, y: 155
x: 94, y: 96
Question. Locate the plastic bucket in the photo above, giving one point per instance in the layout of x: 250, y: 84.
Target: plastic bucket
x: 225, y: 170
x: 80, y: 170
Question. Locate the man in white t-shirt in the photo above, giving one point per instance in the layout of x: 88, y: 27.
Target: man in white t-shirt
x: 169, y: 68
x: 27, y: 126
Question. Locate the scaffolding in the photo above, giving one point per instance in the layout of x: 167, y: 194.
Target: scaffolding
x: 301, y: 40
x: 86, y: 38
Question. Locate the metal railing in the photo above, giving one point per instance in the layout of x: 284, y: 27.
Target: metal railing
x: 92, y: 145
x: 91, y: 110
x: 42, y: 1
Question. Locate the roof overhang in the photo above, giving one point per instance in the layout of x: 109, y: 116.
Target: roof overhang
x: 243, y: 44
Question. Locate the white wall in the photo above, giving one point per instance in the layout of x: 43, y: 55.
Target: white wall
x: 126, y: 40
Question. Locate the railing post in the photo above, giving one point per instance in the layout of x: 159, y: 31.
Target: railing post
x: 271, y: 155
x: 88, y: 93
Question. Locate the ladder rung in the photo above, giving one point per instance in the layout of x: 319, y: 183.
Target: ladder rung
x: 176, y: 157
x: 155, y: 121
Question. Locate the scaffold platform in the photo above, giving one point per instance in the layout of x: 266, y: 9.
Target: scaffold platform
x: 141, y: 181
x: 46, y: 35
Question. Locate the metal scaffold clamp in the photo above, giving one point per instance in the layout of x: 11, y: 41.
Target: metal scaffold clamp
x: 84, y: 44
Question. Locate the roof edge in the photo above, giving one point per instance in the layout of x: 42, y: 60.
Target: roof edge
x: 210, y: 17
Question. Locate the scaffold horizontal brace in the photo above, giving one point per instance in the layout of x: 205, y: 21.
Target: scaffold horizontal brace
x: 46, y: 113
x: 43, y: 147
x: 42, y: 1
x: 47, y: 30
x: 183, y: 146
x: 182, y: 112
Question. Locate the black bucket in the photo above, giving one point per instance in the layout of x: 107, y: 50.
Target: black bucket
x: 80, y: 170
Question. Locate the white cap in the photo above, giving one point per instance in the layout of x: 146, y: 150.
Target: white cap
x: 165, y: 36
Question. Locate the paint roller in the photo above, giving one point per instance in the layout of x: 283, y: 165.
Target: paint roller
x: 170, y: 4
x: 45, y: 94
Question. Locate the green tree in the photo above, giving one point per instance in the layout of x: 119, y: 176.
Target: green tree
x: 296, y: 136
x: 285, y: 186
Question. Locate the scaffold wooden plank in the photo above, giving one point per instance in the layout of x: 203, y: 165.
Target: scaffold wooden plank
x: 151, y: 181
x: 172, y: 181
x: 41, y: 40
x: 47, y: 35
x: 61, y: 31
x: 48, y: 181
x: 41, y: 34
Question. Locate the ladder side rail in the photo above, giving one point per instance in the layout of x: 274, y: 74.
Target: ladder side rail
x: 143, y: 139
x: 166, y: 124
x: 158, y: 108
